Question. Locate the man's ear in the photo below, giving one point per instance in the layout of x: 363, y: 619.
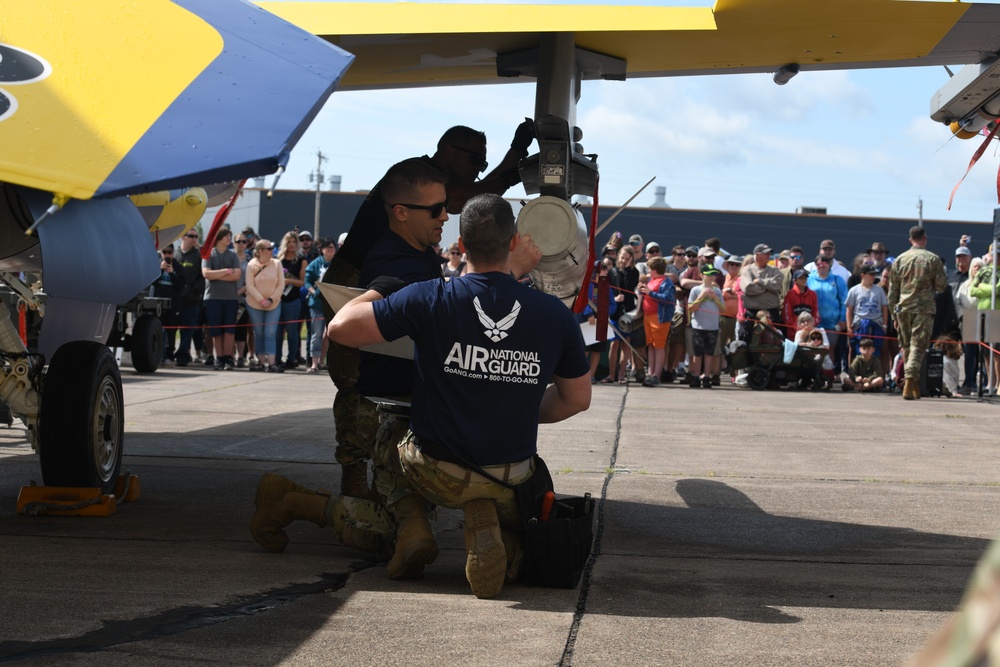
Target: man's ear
x: 514, y: 240
x: 461, y: 244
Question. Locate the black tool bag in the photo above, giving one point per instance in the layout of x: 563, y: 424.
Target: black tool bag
x: 557, y: 548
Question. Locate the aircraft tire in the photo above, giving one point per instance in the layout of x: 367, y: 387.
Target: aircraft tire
x: 81, y: 424
x: 147, y: 343
x: 758, y: 378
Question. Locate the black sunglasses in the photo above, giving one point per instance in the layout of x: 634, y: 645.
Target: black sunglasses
x: 477, y: 158
x: 434, y: 209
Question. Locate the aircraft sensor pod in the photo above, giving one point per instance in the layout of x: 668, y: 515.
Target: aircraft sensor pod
x: 559, y: 231
x: 970, y: 100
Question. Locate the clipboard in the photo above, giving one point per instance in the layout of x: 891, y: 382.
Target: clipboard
x: 338, y: 296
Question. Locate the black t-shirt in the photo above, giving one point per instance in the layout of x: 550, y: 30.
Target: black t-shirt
x: 369, y: 224
x: 381, y: 375
x: 486, y: 348
x: 293, y: 268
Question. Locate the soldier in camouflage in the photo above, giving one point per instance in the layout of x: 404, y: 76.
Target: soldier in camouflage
x: 916, y: 276
x: 972, y: 636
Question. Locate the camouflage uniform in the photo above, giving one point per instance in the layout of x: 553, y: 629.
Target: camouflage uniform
x: 916, y: 276
x: 972, y: 636
x: 342, y: 364
x: 445, y: 489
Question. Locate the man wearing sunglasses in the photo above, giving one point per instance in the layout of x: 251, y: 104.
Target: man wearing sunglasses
x: 461, y: 156
x: 192, y: 294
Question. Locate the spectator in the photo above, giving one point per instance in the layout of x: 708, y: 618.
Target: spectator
x: 652, y: 250
x: 169, y: 285
x: 658, y: 306
x: 958, y: 278
x: 317, y: 321
x: 981, y: 288
x: 800, y: 298
x: 192, y: 294
x: 810, y: 335
x: 879, y: 255
x: 829, y: 250
x: 637, y: 246
x: 625, y: 279
x: 730, y: 295
x: 867, y: 310
x: 680, y: 343
x: 289, y: 325
x: 251, y: 236
x: 591, y: 315
x: 865, y: 373
x: 705, y: 304
x: 831, y: 297
x: 456, y: 263
x: 221, y: 271
x: 265, y: 285
x: 307, y: 250
x: 761, y: 284
x: 244, y: 331
x: 676, y: 263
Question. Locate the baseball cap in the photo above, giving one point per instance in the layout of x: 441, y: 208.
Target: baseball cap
x: 800, y: 273
x: 710, y: 271
x: 693, y: 249
x: 651, y: 245
x: 784, y: 254
x: 870, y: 269
x: 962, y: 250
x: 305, y: 234
x: 761, y: 247
x: 706, y: 252
x: 828, y: 244
x: 635, y: 239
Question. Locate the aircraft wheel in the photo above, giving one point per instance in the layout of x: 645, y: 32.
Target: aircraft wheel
x: 147, y: 343
x: 81, y: 422
x: 758, y: 378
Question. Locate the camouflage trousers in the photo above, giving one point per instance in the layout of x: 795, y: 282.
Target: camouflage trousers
x: 383, y: 432
x: 343, y: 363
x: 972, y: 636
x: 914, y: 339
x: 445, y: 489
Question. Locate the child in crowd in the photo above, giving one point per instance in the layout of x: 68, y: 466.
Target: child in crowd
x: 705, y: 305
x: 867, y: 312
x: 865, y: 372
x: 812, y: 336
x: 657, y: 313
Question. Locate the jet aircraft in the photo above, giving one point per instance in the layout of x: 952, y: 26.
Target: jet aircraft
x: 69, y: 394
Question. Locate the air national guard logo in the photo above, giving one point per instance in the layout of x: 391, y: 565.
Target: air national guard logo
x: 18, y: 67
x: 497, y: 331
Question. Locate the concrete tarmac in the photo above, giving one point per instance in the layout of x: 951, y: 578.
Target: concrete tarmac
x: 733, y: 527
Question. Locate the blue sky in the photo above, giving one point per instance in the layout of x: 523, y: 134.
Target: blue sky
x: 856, y: 142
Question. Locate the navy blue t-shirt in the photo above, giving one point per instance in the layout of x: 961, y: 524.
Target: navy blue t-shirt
x: 486, y: 347
x: 381, y: 375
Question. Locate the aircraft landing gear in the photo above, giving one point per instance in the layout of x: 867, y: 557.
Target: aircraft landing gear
x: 81, y: 418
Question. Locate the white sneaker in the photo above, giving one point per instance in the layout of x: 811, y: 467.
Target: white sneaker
x: 741, y: 380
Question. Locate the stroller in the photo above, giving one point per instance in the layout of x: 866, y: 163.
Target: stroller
x: 764, y: 355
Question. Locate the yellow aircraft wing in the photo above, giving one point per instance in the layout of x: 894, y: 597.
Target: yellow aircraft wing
x: 415, y: 44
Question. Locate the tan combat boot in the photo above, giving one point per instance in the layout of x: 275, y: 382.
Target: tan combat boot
x: 279, y: 501
x: 354, y: 482
x: 415, y: 545
x: 486, y: 562
x: 911, y: 389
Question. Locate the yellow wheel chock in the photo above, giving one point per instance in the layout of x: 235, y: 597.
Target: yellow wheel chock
x: 76, y: 501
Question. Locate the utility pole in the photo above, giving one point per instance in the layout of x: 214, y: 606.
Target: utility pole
x: 317, y: 177
x: 920, y: 212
